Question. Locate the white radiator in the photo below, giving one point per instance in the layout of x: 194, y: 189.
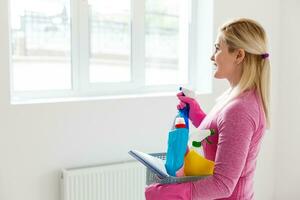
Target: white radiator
x: 122, y: 181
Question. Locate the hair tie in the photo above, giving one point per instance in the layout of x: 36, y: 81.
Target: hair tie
x: 264, y: 56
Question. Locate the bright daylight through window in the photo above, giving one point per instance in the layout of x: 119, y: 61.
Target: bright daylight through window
x: 92, y: 47
x: 40, y: 44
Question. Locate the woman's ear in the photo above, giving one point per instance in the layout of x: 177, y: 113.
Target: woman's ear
x: 240, y: 55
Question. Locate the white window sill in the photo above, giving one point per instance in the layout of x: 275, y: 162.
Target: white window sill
x: 97, y: 98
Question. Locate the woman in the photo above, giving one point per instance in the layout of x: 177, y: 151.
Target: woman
x: 239, y: 118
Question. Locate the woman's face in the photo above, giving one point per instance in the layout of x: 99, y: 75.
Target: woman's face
x: 227, y: 65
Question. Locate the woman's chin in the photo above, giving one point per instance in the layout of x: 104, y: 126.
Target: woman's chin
x: 216, y: 75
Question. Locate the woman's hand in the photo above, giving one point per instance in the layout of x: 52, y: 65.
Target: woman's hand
x: 177, y: 191
x: 196, y: 114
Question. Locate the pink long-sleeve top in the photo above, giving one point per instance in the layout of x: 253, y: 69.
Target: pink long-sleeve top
x: 239, y: 128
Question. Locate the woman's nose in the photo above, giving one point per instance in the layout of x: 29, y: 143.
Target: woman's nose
x: 212, y: 58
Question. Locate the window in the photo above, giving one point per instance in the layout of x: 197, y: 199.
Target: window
x: 40, y: 45
x: 110, y: 41
x: 98, y: 47
x: 166, y: 42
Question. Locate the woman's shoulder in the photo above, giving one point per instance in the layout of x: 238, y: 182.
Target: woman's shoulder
x: 245, y: 102
x: 245, y: 105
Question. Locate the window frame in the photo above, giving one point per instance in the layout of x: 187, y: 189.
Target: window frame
x: 81, y: 87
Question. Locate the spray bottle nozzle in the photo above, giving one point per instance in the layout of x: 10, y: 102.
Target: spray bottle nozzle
x: 187, y: 92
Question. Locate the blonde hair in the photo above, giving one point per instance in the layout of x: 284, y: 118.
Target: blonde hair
x: 249, y: 35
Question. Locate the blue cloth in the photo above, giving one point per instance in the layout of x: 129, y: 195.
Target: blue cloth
x: 177, y: 144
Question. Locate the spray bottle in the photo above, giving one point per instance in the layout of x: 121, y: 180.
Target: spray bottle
x: 178, y: 140
x: 194, y: 163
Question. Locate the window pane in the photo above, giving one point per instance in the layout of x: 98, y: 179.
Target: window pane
x: 110, y: 41
x: 40, y: 33
x: 166, y: 29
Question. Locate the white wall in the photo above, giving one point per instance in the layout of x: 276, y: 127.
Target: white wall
x: 37, y: 140
x: 288, y: 137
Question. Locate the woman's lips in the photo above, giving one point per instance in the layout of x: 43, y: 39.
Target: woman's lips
x: 215, y: 66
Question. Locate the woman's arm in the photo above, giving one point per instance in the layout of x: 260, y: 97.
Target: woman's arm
x: 236, y: 127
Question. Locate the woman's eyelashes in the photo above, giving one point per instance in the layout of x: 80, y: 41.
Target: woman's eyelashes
x: 217, y: 48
